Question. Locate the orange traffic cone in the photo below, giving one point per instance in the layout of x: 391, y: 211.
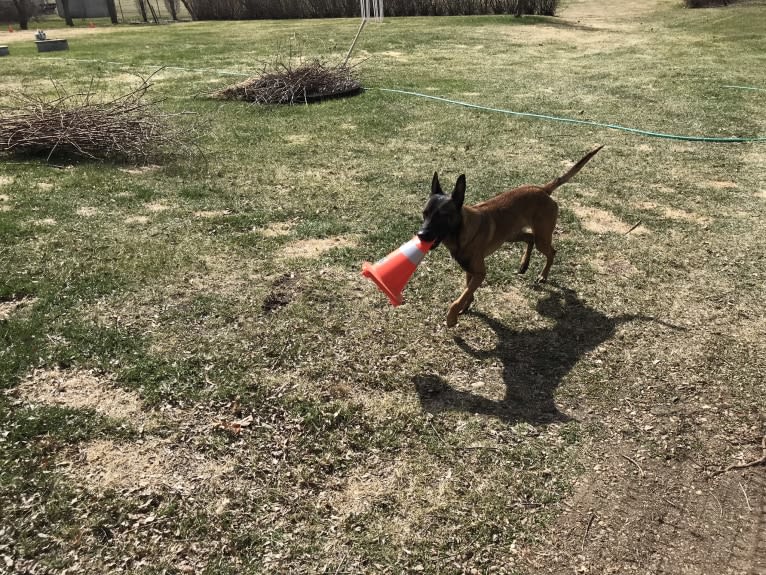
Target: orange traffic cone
x: 393, y: 272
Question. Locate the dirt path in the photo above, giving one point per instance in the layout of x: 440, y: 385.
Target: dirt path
x: 611, y: 12
x: 658, y: 517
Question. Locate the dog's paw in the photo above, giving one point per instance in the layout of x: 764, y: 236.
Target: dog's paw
x: 451, y: 320
x: 541, y: 280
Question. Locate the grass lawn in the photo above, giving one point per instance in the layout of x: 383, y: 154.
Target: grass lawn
x: 194, y: 377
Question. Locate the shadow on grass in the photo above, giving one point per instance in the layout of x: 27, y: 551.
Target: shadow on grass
x: 532, y: 20
x: 534, y: 361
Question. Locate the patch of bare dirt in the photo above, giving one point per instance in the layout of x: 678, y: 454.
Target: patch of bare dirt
x: 157, y: 207
x: 601, y: 221
x: 10, y: 306
x: 208, y: 214
x: 140, y: 169
x: 298, y: 139
x: 81, y: 390
x: 219, y: 273
x: 87, y: 211
x: 757, y: 157
x: 152, y: 463
x: 276, y: 229
x: 361, y: 491
x: 137, y: 220
x: 283, y: 290
x: 395, y: 55
x: 44, y: 222
x: 5, y: 203
x: 397, y: 485
x: 489, y: 298
x: 612, y: 265
x: 158, y: 310
x: 674, y: 213
x: 314, y: 248
x: 720, y: 184
x: 6, y: 180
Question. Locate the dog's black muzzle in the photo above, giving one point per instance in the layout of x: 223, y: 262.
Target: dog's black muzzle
x: 428, y: 236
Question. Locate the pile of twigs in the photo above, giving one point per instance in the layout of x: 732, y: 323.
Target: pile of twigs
x: 83, y: 125
x: 308, y: 82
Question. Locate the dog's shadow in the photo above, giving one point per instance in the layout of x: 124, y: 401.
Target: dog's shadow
x: 534, y: 362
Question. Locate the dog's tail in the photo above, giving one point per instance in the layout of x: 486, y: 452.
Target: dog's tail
x: 552, y: 185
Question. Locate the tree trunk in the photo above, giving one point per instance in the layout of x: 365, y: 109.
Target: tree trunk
x: 172, y: 6
x: 142, y: 10
x: 23, y: 13
x: 188, y: 9
x: 112, y: 10
x: 151, y: 9
x: 67, y: 13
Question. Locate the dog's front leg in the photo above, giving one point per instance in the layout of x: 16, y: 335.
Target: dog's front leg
x: 473, y: 281
x: 469, y: 301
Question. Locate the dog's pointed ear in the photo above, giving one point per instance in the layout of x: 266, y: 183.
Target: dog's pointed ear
x: 436, y: 187
x: 458, y: 194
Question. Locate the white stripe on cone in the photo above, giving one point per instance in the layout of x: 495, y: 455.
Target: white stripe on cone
x: 413, y: 252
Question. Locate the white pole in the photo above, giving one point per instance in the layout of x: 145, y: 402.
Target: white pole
x: 371, y: 10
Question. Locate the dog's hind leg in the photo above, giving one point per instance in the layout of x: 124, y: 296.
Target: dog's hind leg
x: 544, y: 244
x: 529, y: 239
x: 543, y: 228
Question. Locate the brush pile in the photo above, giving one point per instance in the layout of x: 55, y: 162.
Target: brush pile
x: 308, y: 82
x: 82, y: 125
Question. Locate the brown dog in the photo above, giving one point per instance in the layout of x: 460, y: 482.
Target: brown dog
x: 524, y: 214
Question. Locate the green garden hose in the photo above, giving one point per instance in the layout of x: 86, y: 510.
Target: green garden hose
x: 746, y: 88
x: 581, y: 122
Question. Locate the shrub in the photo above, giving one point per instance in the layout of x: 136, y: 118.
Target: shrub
x: 278, y: 9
